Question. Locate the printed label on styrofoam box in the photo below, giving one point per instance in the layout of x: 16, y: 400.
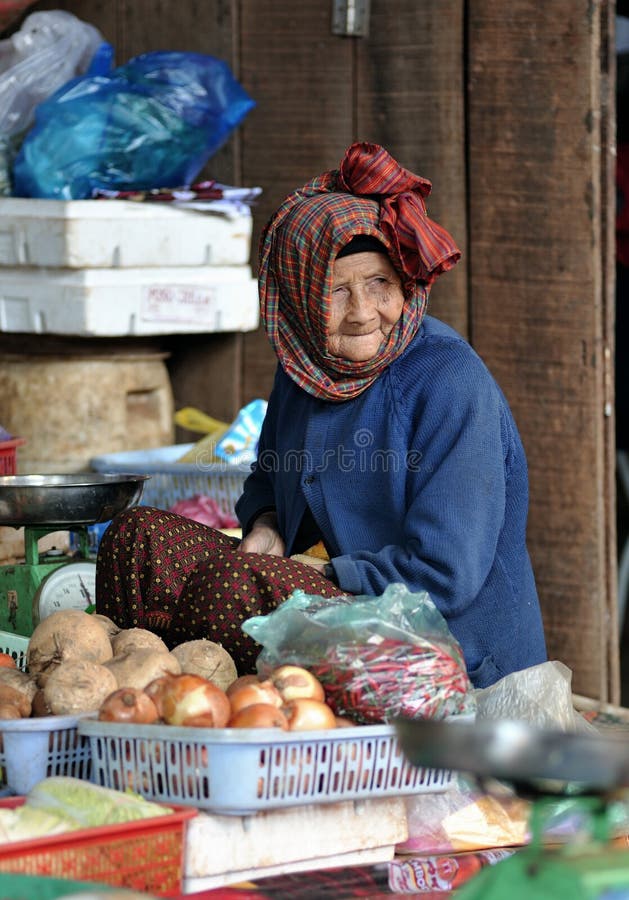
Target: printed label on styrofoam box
x: 178, y: 303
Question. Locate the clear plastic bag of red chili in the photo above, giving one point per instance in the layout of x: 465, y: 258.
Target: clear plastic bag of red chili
x: 377, y: 657
x: 376, y: 681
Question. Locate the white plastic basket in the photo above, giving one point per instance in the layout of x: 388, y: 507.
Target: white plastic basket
x: 171, y: 481
x: 243, y: 771
x: 34, y: 749
x: 15, y: 645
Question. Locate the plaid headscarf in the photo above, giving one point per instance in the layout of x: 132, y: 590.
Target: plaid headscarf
x: 370, y: 194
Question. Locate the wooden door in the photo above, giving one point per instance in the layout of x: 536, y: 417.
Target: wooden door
x: 541, y: 256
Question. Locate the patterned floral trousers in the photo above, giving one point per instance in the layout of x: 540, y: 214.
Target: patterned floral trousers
x: 184, y: 580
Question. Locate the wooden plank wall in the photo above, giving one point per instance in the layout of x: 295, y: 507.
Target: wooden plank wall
x: 538, y: 296
x: 410, y: 97
x: 317, y: 92
x: 504, y: 107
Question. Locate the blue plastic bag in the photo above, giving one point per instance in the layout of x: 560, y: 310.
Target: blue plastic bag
x: 153, y: 122
x: 239, y: 443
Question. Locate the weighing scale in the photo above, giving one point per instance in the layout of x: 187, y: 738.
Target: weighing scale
x: 588, y: 771
x: 42, y: 504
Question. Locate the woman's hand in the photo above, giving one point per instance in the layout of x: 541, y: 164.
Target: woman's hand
x: 313, y: 561
x: 264, y: 537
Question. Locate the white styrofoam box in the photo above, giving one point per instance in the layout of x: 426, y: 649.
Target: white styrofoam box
x: 225, y: 849
x: 120, y: 233
x: 117, y: 302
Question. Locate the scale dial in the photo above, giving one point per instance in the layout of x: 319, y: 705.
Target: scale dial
x: 71, y: 586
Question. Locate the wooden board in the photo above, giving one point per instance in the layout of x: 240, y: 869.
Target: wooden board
x: 409, y: 83
x: 537, y: 296
x: 300, y: 74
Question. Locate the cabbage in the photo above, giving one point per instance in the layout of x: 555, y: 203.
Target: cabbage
x: 86, y: 805
x: 26, y: 824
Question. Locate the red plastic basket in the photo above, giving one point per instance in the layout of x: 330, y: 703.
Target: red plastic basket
x: 145, y: 855
x: 8, y: 455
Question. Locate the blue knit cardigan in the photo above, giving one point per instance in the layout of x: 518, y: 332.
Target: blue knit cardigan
x: 421, y: 480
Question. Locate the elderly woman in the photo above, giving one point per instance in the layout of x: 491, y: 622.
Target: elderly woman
x: 386, y: 441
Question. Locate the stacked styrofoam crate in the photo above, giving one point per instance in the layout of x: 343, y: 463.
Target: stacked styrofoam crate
x: 115, y: 268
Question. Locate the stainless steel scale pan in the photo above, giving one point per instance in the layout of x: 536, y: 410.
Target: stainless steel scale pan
x: 514, y: 751
x: 83, y: 499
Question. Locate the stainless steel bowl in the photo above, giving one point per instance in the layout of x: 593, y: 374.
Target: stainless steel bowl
x: 81, y: 499
x: 542, y: 760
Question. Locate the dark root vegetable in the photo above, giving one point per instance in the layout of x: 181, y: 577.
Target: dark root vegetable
x: 78, y: 687
x: 68, y: 635
x: 208, y: 659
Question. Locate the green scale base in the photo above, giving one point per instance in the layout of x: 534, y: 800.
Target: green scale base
x: 44, y: 583
x: 584, y: 869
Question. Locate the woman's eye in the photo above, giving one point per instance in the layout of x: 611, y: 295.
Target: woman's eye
x: 377, y: 285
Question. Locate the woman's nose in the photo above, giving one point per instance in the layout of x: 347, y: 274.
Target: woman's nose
x: 361, y: 306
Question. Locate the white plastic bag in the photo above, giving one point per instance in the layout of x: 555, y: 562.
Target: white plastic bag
x: 540, y: 695
x: 49, y: 49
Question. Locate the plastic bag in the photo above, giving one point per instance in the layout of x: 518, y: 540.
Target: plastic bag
x: 463, y: 817
x: 239, y: 442
x: 150, y: 123
x: 377, y: 657
x: 204, y: 509
x: 49, y: 49
x: 540, y: 695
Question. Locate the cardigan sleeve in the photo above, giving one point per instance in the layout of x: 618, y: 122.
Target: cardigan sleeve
x: 258, y: 494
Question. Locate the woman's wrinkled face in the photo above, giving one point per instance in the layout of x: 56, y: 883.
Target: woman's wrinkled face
x: 367, y: 301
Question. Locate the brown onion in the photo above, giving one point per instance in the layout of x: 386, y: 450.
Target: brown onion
x: 259, y: 715
x: 254, y: 692
x: 306, y: 714
x: 193, y: 701
x: 156, y: 690
x: 39, y: 705
x: 294, y: 681
x: 128, y: 705
x: 240, y: 682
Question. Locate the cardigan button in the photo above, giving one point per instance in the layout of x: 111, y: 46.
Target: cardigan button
x: 309, y: 479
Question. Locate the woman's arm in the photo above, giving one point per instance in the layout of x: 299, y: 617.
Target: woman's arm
x: 256, y: 507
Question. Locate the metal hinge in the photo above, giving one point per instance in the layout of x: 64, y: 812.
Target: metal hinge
x: 350, y: 18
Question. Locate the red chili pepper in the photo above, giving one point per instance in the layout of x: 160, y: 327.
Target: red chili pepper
x: 372, y: 682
